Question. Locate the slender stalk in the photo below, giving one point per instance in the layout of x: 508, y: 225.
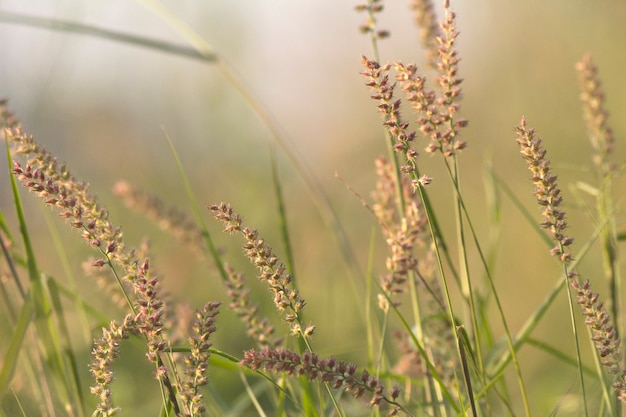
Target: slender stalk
x: 112, y: 35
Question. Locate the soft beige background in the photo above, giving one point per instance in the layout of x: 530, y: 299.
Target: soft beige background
x: 101, y: 106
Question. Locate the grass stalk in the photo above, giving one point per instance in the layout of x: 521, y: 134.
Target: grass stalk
x: 195, y: 208
x: 66, y: 26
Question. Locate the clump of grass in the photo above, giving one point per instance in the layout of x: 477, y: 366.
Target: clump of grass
x: 432, y: 344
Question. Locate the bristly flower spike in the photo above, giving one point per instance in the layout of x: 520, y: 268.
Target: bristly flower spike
x: 198, y: 360
x: 383, y: 91
x: 546, y: 190
x: 52, y: 181
x: 337, y: 374
x: 170, y: 219
x: 372, y: 8
x: 549, y: 198
x: 258, y: 328
x: 402, y: 230
x: 595, y: 114
x: 427, y: 22
x: 447, y: 65
x: 286, y: 298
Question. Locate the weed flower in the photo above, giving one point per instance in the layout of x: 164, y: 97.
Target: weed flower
x: 372, y: 7
x: 426, y: 20
x: 595, y: 114
x: 7, y: 119
x: 402, y: 231
x: 437, y: 116
x: 337, y: 374
x: 598, y: 320
x: 93, y: 268
x: 258, y: 328
x: 52, y: 182
x: 546, y: 190
x: 273, y: 273
x: 198, y: 361
x: 169, y: 219
x: 447, y: 65
x: 603, y: 333
x: 105, y: 351
x: 383, y: 90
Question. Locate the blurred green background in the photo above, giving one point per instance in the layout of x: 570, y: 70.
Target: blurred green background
x: 102, y: 106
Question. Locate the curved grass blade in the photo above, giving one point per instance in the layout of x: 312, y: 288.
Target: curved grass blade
x: 90, y: 30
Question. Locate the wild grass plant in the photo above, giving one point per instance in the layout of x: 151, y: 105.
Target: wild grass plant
x: 436, y: 336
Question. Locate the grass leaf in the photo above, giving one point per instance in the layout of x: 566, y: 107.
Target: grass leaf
x: 10, y: 360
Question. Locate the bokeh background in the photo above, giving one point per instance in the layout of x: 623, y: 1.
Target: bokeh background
x: 103, y: 107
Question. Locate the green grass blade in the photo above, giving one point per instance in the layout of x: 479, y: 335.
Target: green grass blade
x: 243, y: 401
x: 466, y: 373
x: 494, y: 210
x: 509, y: 337
x: 8, y: 298
x: 367, y: 300
x: 4, y: 227
x: 69, y: 273
x: 431, y: 367
x: 196, y: 210
x: 10, y: 360
x: 71, y: 295
x: 41, y: 303
x: 282, y: 213
x: 11, y: 258
x: 90, y: 30
x: 70, y: 367
x: 182, y: 28
x: 46, y: 330
x: 252, y: 396
x: 552, y: 351
x: 530, y: 218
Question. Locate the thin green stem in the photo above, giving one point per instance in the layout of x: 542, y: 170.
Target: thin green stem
x: 531, y: 323
x: 442, y: 274
x: 431, y: 367
x: 195, y: 207
x: 576, y: 338
x: 102, y: 33
x: 498, y: 304
x: 282, y: 214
